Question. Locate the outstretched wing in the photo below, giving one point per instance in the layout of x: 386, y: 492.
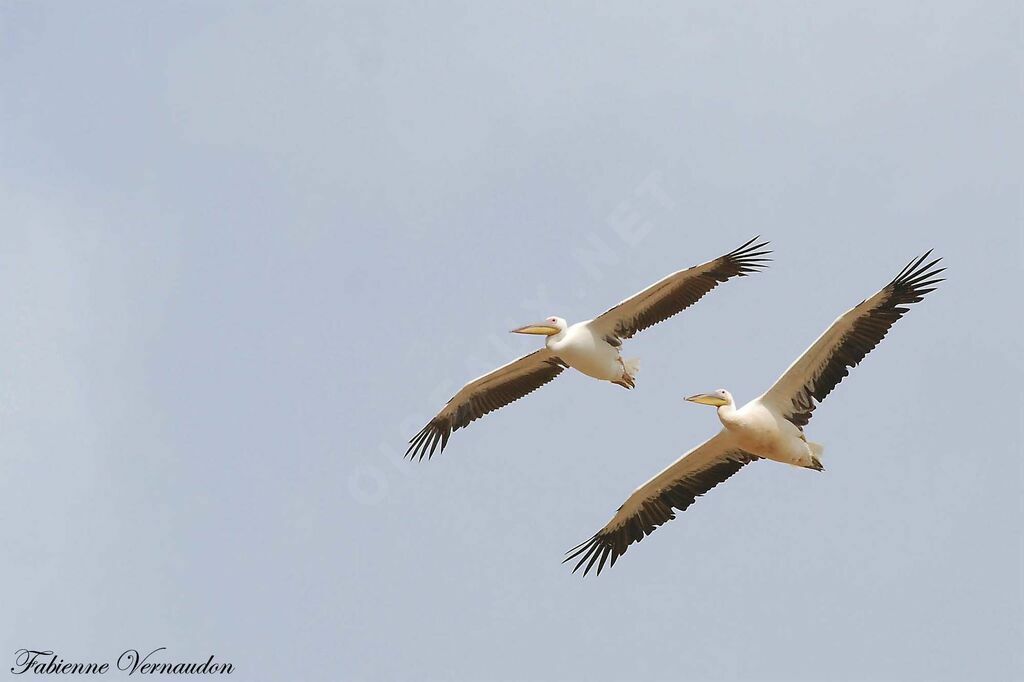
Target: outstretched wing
x: 850, y: 338
x: 486, y: 394
x: 655, y: 502
x: 677, y: 292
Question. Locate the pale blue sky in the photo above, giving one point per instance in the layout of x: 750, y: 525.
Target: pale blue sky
x: 248, y: 249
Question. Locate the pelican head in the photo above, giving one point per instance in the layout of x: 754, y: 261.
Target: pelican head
x: 549, y: 327
x: 715, y: 398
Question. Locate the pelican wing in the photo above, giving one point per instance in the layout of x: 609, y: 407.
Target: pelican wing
x: 677, y: 292
x: 655, y: 502
x: 850, y: 338
x: 486, y: 394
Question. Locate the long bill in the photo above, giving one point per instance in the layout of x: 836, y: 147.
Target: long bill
x: 708, y: 399
x: 541, y: 328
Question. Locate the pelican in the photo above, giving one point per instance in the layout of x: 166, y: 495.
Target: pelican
x: 768, y: 427
x: 591, y: 347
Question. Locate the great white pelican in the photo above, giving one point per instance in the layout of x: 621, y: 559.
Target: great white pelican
x: 591, y: 347
x: 768, y: 427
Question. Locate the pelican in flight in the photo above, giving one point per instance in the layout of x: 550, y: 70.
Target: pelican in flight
x: 592, y: 347
x: 768, y: 427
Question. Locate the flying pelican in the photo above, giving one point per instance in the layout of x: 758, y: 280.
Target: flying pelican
x: 592, y: 347
x: 770, y: 426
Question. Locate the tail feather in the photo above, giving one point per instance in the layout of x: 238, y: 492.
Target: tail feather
x: 631, y: 367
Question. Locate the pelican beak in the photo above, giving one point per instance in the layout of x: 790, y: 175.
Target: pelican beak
x: 707, y: 399
x: 542, y: 328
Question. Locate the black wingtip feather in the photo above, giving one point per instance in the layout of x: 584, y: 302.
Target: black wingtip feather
x: 750, y: 257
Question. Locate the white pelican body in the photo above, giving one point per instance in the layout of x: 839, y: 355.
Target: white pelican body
x: 762, y: 431
x: 587, y: 351
x: 768, y: 427
x: 590, y: 347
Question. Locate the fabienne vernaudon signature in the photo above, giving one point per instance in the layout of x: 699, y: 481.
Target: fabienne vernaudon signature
x: 42, y: 662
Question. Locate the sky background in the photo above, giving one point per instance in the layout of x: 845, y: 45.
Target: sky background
x: 247, y: 250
